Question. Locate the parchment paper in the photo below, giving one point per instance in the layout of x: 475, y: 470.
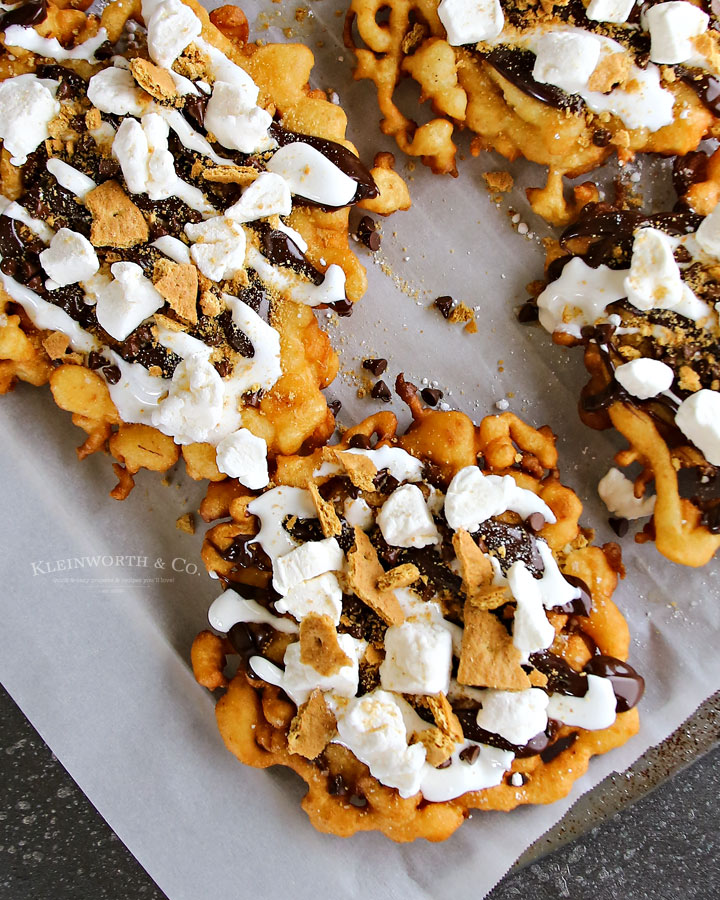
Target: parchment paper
x: 97, y: 657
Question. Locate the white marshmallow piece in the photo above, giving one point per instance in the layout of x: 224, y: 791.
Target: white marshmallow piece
x: 566, y: 59
x: 127, y: 301
x: 219, y: 248
x: 671, y: 26
x: 242, y: 455
x: 172, y: 26
x: 231, y: 115
x: 194, y: 404
x: 310, y: 174
x: 417, y: 659
x: 300, y: 680
x: 230, y: 608
x: 470, y: 21
x: 147, y: 164
x: 357, y: 513
x: 306, y: 561
x: 708, y: 234
x: 321, y: 595
x: 70, y: 178
x: 114, y: 90
x: 373, y: 728
x: 618, y: 493
x: 399, y: 463
x: 517, y: 716
x: 268, y: 195
x: 405, y: 520
x: 579, y: 296
x: 130, y: 148
x: 594, y: 711
x: 644, y: 378
x: 27, y: 105
x: 613, y: 11
x: 699, y: 420
x: 69, y: 258
x: 654, y: 279
x: 531, y: 629
x: 473, y: 498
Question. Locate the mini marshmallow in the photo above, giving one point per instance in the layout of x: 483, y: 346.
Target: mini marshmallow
x: 127, y: 301
x: 70, y: 178
x: 69, y: 258
x: 306, y: 561
x: 470, y: 21
x: 654, y: 279
x: 405, y: 520
x: 613, y: 11
x: 268, y: 195
x: 230, y: 608
x: 699, y: 419
x: 417, y: 659
x: 531, y: 629
x: 114, y: 90
x: 671, y: 26
x: 473, y: 498
x: 242, y: 455
x: 357, y: 513
x: 708, y: 234
x: 231, y: 115
x: 27, y: 106
x: 566, y: 59
x: 321, y: 595
x: 219, y: 251
x: 644, y: 378
x: 594, y: 711
x: 300, y: 680
x: 172, y: 26
x: 517, y: 716
x: 194, y: 405
x: 310, y: 174
x: 618, y: 493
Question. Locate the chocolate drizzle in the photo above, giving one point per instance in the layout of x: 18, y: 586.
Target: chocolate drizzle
x: 280, y: 249
x: 340, y: 156
x: 516, y: 66
x: 627, y: 685
x: 33, y: 12
x: 510, y: 543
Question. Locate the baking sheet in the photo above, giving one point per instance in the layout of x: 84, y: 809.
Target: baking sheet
x: 97, y: 656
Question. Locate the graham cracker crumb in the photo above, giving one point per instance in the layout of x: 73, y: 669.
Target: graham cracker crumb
x: 178, y: 284
x: 689, y: 379
x: 499, y: 181
x: 438, y: 746
x: 312, y: 728
x: 186, y: 523
x: 117, y: 222
x: 93, y: 119
x: 319, y: 645
x: 612, y: 70
x: 363, y: 574
x: 210, y: 304
x: 242, y: 175
x: 55, y: 345
x: 537, y: 679
x: 488, y: 657
x: 329, y: 522
x: 155, y: 81
x: 399, y: 577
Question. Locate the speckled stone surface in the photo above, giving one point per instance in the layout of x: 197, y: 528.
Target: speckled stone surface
x: 55, y: 846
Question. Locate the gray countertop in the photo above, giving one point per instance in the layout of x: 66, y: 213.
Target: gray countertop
x: 53, y: 844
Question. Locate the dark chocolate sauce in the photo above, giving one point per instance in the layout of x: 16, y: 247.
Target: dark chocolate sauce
x: 510, y: 543
x: 580, y: 606
x: 561, y: 677
x: 31, y: 13
x: 627, y: 685
x: 706, y: 86
x: 555, y: 749
x: 340, y: 156
x: 245, y: 552
x: 280, y: 249
x: 516, y: 66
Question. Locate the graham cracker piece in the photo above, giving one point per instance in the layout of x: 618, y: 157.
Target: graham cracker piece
x: 440, y: 741
x: 475, y: 568
x: 438, y: 745
x: 319, y: 645
x: 186, y: 523
x: 117, y: 222
x: 373, y: 655
x: 151, y: 78
x: 488, y: 657
x: 361, y: 469
x: 210, y: 304
x: 242, y: 175
x: 312, y: 728
x: 93, y: 119
x: 499, y: 181
x: 329, y: 522
x: 399, y: 577
x: 363, y: 574
x: 55, y: 345
x: 445, y: 718
x: 610, y: 71
x: 537, y: 679
x: 178, y: 284
x: 463, y: 313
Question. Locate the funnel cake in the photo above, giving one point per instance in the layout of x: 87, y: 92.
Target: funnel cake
x: 639, y: 293
x: 558, y: 84
x: 422, y: 626
x: 175, y: 205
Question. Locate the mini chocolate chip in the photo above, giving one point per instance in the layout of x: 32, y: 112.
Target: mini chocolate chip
x: 343, y: 308
x: 9, y: 266
x: 587, y: 332
x: 381, y: 391
x: 35, y: 283
x: 337, y: 787
x: 445, y: 305
x: 445, y: 764
x: 619, y: 525
x: 536, y: 521
x: 385, y: 482
x: 432, y: 396
x: 604, y: 332
x: 376, y: 366
x: 528, y: 312
x: 470, y: 754
x: 360, y: 442
x: 222, y: 367
x: 682, y: 255
x: 335, y: 406
x: 357, y: 800
x: 367, y: 234
x: 96, y: 360
x: 253, y: 398
x: 112, y: 374
x: 601, y: 137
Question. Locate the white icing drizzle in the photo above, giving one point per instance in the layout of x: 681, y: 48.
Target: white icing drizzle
x: 70, y: 178
x: 137, y: 394
x: 29, y: 39
x: 14, y: 211
x: 272, y: 508
x: 172, y: 247
x: 189, y: 138
x: 285, y: 281
x: 230, y: 608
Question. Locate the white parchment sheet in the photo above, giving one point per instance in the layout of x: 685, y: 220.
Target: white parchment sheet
x: 98, y: 657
